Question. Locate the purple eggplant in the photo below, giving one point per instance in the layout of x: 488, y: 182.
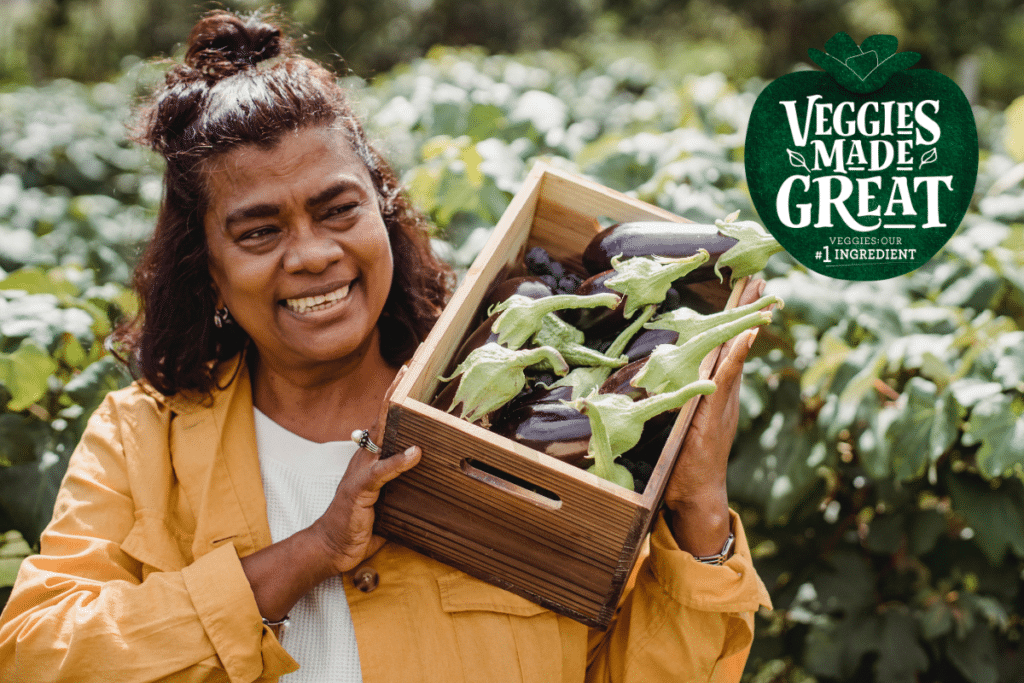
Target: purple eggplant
x: 528, y: 285
x: 657, y: 238
x: 644, y: 342
x: 596, y: 321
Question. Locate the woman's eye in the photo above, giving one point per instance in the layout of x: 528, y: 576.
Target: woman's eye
x: 257, y: 234
x: 341, y: 209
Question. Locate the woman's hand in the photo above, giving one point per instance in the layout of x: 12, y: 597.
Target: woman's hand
x: 339, y: 540
x: 346, y: 528
x: 696, y: 491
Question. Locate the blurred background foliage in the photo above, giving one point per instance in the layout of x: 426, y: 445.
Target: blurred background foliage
x: 879, y: 466
x: 982, y: 41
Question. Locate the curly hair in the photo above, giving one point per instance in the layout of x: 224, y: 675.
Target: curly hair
x: 241, y: 83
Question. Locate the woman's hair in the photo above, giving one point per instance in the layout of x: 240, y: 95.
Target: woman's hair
x: 242, y: 84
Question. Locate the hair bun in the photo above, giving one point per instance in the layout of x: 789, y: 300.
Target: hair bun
x: 223, y: 44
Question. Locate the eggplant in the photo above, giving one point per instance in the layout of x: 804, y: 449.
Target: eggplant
x: 618, y: 381
x: 645, y: 341
x: 528, y: 285
x: 542, y: 420
x: 551, y: 427
x: 657, y: 238
x: 596, y: 321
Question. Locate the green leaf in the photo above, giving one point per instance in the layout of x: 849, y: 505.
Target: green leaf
x: 926, y: 526
x: 832, y: 352
x: 885, y: 534
x: 873, y: 448
x: 777, y: 467
x: 13, y: 549
x: 901, y: 656
x: 971, y: 390
x: 995, y: 514
x: 26, y: 374
x: 936, y: 620
x: 23, y: 438
x: 28, y: 492
x: 1014, y: 136
x: 975, y: 656
x: 91, y: 385
x: 926, y: 426
x: 36, y: 281
x: 1009, y: 370
x: 997, y: 423
x: 847, y: 584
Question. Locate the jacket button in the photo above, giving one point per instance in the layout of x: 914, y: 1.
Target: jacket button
x: 366, y: 578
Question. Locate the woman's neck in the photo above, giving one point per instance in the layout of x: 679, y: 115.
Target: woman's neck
x: 325, y: 402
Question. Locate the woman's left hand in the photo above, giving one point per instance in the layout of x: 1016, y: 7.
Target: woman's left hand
x: 696, y: 491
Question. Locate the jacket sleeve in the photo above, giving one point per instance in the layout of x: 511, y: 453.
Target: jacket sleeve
x: 682, y: 620
x: 84, y: 610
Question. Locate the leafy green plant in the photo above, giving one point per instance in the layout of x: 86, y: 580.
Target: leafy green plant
x: 54, y: 371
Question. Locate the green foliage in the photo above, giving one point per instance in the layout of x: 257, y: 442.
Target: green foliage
x: 879, y: 467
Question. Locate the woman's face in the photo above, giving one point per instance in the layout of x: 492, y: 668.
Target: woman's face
x: 299, y: 252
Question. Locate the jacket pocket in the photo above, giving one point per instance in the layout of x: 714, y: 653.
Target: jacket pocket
x: 155, y: 544
x: 502, y: 638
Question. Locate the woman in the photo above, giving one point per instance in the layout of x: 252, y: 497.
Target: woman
x: 216, y: 498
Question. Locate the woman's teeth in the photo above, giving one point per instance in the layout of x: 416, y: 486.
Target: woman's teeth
x: 316, y: 303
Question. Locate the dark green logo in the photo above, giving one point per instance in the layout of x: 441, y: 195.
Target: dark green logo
x: 863, y: 171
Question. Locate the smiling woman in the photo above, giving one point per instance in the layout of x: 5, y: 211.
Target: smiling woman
x: 220, y: 498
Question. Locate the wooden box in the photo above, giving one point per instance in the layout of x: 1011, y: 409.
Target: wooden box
x: 570, y: 549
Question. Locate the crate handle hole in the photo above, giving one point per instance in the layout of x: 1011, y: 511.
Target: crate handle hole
x: 499, y: 479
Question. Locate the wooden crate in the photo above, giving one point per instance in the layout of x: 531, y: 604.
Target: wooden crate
x: 570, y: 549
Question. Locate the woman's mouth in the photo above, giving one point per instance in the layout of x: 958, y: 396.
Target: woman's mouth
x: 319, y: 302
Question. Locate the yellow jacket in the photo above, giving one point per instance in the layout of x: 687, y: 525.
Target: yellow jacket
x: 139, y: 579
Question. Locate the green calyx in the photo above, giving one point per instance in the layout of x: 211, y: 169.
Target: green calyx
x: 584, y: 380
x: 568, y: 341
x: 865, y: 68
x: 617, y: 422
x: 521, y: 317
x: 672, y: 366
x: 689, y: 323
x: 646, y: 280
x: 754, y: 246
x: 492, y: 375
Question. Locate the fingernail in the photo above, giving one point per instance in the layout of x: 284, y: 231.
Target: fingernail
x: 410, y: 451
x: 751, y: 337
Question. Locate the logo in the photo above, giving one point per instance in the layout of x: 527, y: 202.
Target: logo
x: 863, y: 171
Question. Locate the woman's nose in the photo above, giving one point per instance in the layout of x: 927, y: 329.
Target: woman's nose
x: 311, y: 251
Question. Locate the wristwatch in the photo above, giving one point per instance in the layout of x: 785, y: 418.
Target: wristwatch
x: 721, y: 557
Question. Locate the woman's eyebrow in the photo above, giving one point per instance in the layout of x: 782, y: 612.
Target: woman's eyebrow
x: 330, y: 193
x: 267, y: 210
x: 254, y: 211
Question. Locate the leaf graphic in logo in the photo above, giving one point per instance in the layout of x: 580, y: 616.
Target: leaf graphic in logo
x: 929, y: 156
x: 797, y: 159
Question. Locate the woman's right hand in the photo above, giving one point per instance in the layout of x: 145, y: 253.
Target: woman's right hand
x: 339, y: 540
x: 346, y: 527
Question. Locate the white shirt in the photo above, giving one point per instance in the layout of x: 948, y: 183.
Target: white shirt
x: 299, y: 481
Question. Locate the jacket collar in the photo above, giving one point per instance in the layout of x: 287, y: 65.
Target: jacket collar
x: 213, y: 451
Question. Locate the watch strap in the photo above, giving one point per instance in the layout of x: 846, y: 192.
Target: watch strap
x: 722, y: 556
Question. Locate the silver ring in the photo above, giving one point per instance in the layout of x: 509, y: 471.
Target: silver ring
x: 362, y: 437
